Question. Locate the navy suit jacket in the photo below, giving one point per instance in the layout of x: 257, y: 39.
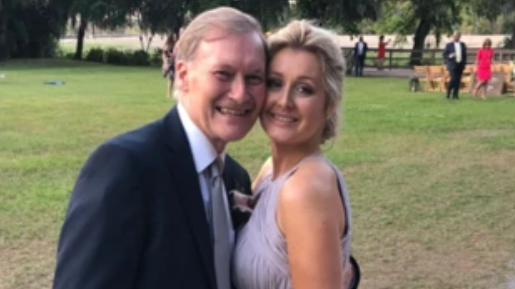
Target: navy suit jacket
x: 136, y: 218
x: 451, y: 62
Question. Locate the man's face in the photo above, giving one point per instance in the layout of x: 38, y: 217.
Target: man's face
x: 456, y: 37
x: 223, y: 88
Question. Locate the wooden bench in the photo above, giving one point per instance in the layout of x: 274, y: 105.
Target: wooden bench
x: 436, y: 77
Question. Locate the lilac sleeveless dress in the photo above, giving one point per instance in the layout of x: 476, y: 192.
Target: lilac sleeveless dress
x: 260, y: 259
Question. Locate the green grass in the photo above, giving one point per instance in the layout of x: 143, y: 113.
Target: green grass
x: 432, y: 182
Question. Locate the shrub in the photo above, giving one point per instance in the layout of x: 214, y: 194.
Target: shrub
x: 114, y: 56
x: 156, y: 57
x: 95, y: 55
x: 506, y: 43
x: 139, y: 57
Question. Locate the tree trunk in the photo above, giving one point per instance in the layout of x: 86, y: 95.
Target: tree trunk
x: 149, y: 42
x: 4, y: 50
x: 423, y: 29
x: 177, y: 25
x: 513, y: 36
x: 80, y: 37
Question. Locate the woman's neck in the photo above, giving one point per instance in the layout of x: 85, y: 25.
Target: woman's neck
x: 284, y: 158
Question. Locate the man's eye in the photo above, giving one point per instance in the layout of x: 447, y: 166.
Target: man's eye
x: 254, y: 79
x: 223, y: 75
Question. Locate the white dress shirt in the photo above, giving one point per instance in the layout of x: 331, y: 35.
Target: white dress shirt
x: 361, y: 47
x: 203, y: 155
x: 457, y: 50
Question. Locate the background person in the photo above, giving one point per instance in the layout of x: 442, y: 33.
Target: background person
x: 484, y: 62
x: 381, y: 51
x: 455, y: 56
x: 169, y: 63
x: 360, y: 55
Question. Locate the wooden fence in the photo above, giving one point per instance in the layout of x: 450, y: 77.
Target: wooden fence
x: 400, y: 58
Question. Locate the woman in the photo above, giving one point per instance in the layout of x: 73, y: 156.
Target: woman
x: 298, y: 235
x: 484, y: 63
x: 168, y: 62
x: 381, y: 51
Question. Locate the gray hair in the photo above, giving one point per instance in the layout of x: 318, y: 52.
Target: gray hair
x: 225, y: 19
x: 302, y: 35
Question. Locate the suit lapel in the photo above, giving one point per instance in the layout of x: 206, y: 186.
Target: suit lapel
x: 185, y: 175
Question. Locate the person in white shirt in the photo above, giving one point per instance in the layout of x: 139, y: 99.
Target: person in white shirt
x: 455, y: 56
x: 149, y: 208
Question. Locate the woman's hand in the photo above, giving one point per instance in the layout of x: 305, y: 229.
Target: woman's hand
x: 244, y: 201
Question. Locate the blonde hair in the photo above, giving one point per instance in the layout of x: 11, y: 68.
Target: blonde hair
x: 225, y: 19
x: 302, y: 35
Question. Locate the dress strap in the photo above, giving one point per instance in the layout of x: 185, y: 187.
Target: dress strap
x: 294, y: 168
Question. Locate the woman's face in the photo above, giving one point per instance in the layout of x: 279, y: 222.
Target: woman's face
x: 294, y: 112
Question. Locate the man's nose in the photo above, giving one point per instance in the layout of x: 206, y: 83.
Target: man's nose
x: 238, y: 90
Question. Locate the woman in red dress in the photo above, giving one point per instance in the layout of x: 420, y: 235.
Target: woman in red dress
x: 381, y: 52
x: 484, y: 59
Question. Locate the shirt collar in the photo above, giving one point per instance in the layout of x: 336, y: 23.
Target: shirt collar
x: 203, y: 151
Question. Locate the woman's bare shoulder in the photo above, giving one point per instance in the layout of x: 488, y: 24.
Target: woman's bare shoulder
x: 314, y: 181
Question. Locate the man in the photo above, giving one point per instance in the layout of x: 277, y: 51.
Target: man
x: 360, y: 54
x: 455, y: 56
x: 144, y: 212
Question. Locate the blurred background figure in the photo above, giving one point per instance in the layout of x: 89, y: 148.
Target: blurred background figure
x: 455, y: 56
x: 360, y: 54
x: 169, y: 63
x: 484, y: 61
x: 381, y: 51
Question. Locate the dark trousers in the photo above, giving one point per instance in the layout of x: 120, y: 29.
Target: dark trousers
x: 360, y: 63
x: 454, y: 83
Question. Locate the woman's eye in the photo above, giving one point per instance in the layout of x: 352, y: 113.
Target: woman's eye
x: 305, y: 90
x: 273, y: 83
x: 254, y: 80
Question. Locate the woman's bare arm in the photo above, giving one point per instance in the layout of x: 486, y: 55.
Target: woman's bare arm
x: 311, y: 216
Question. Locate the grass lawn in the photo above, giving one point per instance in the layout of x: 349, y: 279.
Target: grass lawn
x: 432, y: 182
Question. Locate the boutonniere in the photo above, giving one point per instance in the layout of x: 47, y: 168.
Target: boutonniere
x: 242, y: 204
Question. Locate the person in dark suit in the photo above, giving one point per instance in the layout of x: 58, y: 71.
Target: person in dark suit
x: 455, y: 56
x: 142, y: 212
x: 360, y: 54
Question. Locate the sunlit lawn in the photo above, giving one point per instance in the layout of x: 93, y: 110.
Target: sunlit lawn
x: 432, y: 182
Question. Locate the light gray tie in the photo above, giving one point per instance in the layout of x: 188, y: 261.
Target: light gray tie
x: 221, y: 227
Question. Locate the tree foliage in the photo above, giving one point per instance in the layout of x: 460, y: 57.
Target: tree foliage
x: 492, y: 9
x: 345, y: 13
x: 420, y: 17
x: 30, y: 28
x: 33, y: 27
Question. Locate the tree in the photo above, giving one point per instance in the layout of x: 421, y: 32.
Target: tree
x: 421, y: 17
x: 492, y: 9
x: 344, y: 13
x: 270, y: 13
x: 30, y: 28
x: 101, y: 13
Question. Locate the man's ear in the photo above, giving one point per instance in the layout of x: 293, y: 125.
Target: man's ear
x: 181, y: 69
